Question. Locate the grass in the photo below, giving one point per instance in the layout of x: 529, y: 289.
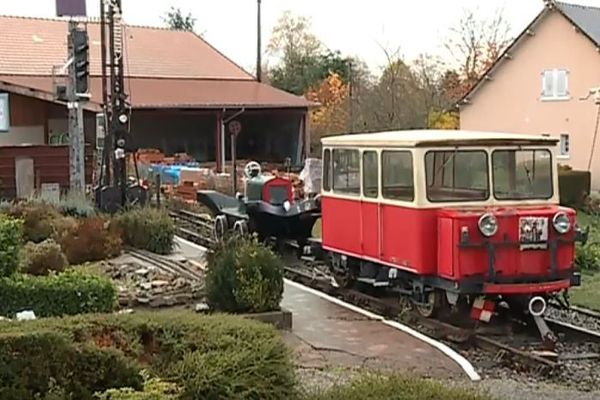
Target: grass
x: 588, y: 294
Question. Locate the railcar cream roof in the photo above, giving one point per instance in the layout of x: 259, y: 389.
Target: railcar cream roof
x: 425, y: 138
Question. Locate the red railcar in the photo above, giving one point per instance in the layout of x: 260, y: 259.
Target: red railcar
x: 448, y: 216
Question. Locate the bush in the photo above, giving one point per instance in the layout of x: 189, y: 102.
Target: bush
x: 241, y: 356
x: 76, y: 205
x: 91, y: 239
x: 375, y: 387
x: 206, y: 375
x: 244, y: 276
x: 41, y: 258
x: 38, y: 218
x: 587, y: 257
x: 154, y: 389
x: 11, y: 239
x: 40, y: 363
x: 148, y: 229
x: 574, y: 187
x: 69, y: 293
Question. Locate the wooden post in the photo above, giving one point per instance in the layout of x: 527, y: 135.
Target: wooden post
x: 218, y: 143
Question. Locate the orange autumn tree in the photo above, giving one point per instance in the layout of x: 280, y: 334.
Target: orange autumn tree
x: 332, y: 116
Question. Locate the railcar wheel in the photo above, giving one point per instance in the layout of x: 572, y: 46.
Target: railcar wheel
x: 241, y: 227
x: 342, y: 274
x: 434, y: 303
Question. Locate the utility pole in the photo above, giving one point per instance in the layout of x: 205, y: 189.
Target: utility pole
x: 77, y: 94
x: 258, y: 42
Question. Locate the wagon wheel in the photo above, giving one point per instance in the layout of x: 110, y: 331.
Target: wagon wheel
x: 241, y: 227
x: 220, y: 227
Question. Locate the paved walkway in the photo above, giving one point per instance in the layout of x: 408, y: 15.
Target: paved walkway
x: 328, y: 335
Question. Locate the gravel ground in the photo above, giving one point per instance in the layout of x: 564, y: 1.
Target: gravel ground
x: 500, y: 389
x: 509, y: 389
x: 574, y: 318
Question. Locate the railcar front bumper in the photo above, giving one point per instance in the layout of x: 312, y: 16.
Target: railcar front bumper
x: 556, y: 279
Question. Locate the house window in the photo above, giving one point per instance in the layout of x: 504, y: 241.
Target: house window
x: 564, y: 145
x: 555, y: 84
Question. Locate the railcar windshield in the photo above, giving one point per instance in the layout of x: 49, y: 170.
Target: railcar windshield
x: 522, y: 174
x: 457, y: 175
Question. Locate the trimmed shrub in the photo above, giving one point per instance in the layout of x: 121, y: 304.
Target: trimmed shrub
x: 91, y: 239
x: 241, y: 356
x: 147, y: 228
x: 11, y: 239
x: 69, y: 293
x: 41, y: 258
x: 244, y: 276
x: 34, y: 364
x: 375, y: 387
x: 574, y: 187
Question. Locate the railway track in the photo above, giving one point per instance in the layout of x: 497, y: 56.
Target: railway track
x: 497, y: 354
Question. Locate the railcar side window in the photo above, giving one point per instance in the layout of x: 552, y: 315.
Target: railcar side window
x: 327, y: 170
x: 457, y: 175
x: 370, y: 174
x: 522, y: 174
x: 346, y: 171
x: 397, y: 175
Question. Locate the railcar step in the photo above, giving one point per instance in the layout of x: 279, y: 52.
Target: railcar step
x: 373, y: 282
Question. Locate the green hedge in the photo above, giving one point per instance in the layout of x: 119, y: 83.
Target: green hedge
x: 376, y: 387
x: 574, y: 187
x: 68, y: 293
x: 209, y: 357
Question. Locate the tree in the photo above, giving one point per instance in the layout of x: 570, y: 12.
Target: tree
x: 476, y: 43
x: 176, y: 20
x: 443, y: 120
x: 396, y: 100
x: 303, y: 61
x: 332, y: 117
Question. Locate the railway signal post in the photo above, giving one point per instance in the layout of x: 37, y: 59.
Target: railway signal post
x: 77, y: 94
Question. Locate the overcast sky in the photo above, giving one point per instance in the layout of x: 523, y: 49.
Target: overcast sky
x: 356, y: 27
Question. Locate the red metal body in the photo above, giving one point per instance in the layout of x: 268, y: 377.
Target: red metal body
x: 278, y: 183
x: 431, y: 242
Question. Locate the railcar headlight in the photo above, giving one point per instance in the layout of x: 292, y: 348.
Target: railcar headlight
x: 561, y: 222
x: 488, y: 225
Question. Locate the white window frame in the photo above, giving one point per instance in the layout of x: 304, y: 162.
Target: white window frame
x: 563, y: 155
x: 555, y: 96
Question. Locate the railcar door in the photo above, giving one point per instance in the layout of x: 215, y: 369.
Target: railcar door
x: 370, y: 204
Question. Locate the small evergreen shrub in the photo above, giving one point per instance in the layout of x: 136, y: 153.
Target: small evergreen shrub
x: 42, y: 258
x: 11, y: 239
x: 244, y: 276
x: 91, y: 239
x: 147, y: 228
x: 68, y: 293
